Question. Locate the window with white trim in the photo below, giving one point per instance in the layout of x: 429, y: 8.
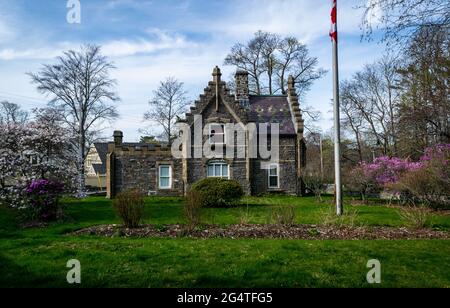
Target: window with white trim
x: 165, y: 177
x: 217, y: 134
x: 274, y: 181
x: 218, y: 170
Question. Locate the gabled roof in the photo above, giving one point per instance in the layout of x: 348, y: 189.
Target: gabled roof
x: 102, y: 151
x: 99, y: 168
x: 272, y: 109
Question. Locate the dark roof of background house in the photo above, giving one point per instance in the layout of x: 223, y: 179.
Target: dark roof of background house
x: 99, y: 168
x: 272, y: 109
x: 102, y: 150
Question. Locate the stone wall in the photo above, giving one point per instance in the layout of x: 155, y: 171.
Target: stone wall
x: 138, y: 168
x: 288, y: 178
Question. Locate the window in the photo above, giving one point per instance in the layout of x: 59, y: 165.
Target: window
x: 218, y: 170
x: 165, y: 177
x: 273, y: 176
x: 217, y: 134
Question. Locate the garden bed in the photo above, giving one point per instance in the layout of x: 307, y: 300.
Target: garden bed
x: 260, y: 231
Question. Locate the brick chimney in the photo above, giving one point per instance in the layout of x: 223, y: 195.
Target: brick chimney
x: 242, y: 91
x: 118, y: 137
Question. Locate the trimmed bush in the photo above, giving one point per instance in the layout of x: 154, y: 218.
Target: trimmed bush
x: 218, y: 192
x: 129, y: 206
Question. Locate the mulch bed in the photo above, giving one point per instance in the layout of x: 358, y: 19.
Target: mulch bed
x: 306, y: 232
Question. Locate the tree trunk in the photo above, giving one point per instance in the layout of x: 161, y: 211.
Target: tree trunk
x: 270, y: 73
x: 81, y: 172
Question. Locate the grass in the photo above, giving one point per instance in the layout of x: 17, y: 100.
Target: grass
x: 37, y: 257
x: 97, y: 210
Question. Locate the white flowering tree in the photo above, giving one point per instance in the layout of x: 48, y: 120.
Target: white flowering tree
x: 40, y: 149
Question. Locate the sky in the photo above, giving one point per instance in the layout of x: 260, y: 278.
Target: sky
x: 149, y: 40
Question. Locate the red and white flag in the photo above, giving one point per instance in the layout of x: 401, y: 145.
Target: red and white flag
x: 333, y: 31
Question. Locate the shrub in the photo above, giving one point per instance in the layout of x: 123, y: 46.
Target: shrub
x: 245, y: 216
x: 43, y: 198
x: 360, y: 181
x: 429, y: 184
x: 192, y: 209
x: 217, y: 192
x: 129, y: 206
x: 387, y: 170
x: 284, y: 215
x: 315, y: 184
x: 416, y: 217
x: 329, y: 218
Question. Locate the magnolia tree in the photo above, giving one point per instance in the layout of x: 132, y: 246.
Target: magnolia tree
x: 41, y: 149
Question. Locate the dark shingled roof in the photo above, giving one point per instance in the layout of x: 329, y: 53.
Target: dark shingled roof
x: 272, y: 109
x: 102, y: 150
x: 99, y: 168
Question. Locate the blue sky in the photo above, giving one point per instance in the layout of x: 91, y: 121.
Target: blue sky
x: 149, y: 40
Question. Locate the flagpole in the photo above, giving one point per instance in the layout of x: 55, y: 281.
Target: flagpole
x: 337, y: 124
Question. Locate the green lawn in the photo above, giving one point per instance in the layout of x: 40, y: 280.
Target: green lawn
x: 37, y: 257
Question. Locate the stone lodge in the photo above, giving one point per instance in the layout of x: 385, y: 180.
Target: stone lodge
x: 153, y: 169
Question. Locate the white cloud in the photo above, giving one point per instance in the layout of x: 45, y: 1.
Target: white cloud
x: 36, y: 53
x: 155, y: 41
x: 308, y: 20
x: 159, y: 41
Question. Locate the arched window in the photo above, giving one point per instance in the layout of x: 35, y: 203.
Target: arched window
x: 218, y: 170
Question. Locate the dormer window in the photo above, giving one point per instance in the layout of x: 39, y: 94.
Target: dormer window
x: 217, y: 134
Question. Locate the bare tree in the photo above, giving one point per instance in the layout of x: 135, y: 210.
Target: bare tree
x: 352, y: 120
x: 248, y: 57
x: 270, y: 59
x: 270, y: 45
x: 424, y: 117
x: 12, y: 113
x: 81, y: 89
x: 400, y: 19
x: 167, y: 105
x: 371, y: 97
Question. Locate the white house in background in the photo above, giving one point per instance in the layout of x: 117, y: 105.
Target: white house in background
x: 95, y: 166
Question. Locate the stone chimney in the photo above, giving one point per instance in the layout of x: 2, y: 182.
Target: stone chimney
x: 242, y: 91
x: 118, y: 137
